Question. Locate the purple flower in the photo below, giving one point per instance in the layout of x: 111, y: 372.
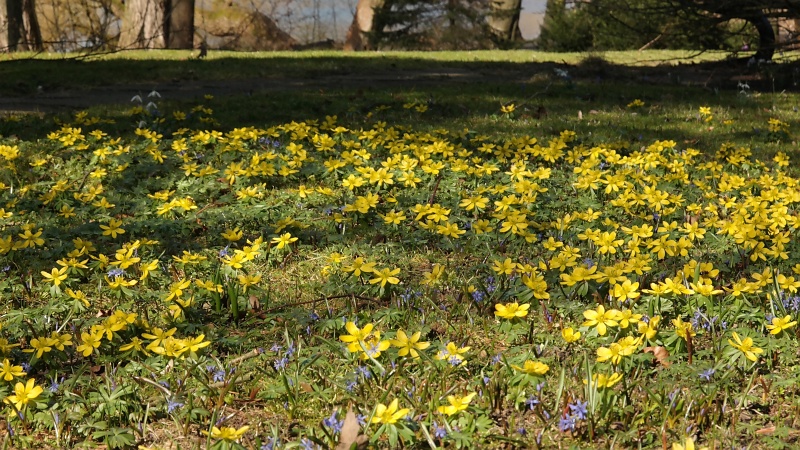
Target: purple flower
x: 172, y: 405
x: 333, y: 423
x: 579, y: 409
x: 271, y: 444
x: 439, y: 432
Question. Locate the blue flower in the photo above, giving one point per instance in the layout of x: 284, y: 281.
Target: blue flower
x: 567, y: 423
x: 219, y: 376
x: 172, y: 405
x: 308, y: 444
x: 271, y: 444
x: 333, y: 423
x: 579, y: 409
x: 531, y: 402
x: 280, y: 364
x: 439, y: 432
x: 707, y: 374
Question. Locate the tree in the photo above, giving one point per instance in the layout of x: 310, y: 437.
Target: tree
x: 704, y: 21
x: 142, y: 25
x: 361, y: 32
x: 20, y: 26
x: 504, y: 20
x: 158, y: 24
x: 432, y: 24
x: 180, y: 24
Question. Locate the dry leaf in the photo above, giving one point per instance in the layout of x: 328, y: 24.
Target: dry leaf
x: 660, y: 353
x: 350, y: 437
x: 767, y: 430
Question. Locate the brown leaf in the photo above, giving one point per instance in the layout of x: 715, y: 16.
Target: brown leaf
x: 660, y: 353
x: 350, y: 436
x: 767, y: 430
x: 306, y: 387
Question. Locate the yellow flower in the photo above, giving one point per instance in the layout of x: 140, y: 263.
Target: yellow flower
x: 511, y: 310
x: 157, y: 336
x: 24, y: 393
x: 359, y: 266
x: 508, y: 109
x: 192, y: 345
x: 384, y: 276
x: 780, y: 324
x: 56, y: 276
x: 601, y: 318
x: 688, y: 444
x: 746, y: 346
x: 227, y: 433
x: 601, y: 380
x: 453, y: 354
x: 389, y: 414
x: 40, y: 346
x: 113, y: 229
x: 504, y: 267
x: 570, y: 335
x: 283, y: 240
x: 89, y: 343
x: 409, y: 345
x: 432, y: 277
x: 373, y: 346
x: 356, y: 337
x: 8, y: 371
x: 626, y: 290
x: 532, y: 367
x: 649, y: 329
x: 78, y: 295
x: 457, y: 404
x: 684, y: 329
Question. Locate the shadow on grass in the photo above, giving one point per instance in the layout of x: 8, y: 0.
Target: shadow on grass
x: 32, y: 77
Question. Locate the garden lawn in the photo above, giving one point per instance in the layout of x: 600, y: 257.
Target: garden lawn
x: 553, y: 262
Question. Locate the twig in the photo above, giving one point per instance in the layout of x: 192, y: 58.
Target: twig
x: 435, y: 188
x: 255, y: 352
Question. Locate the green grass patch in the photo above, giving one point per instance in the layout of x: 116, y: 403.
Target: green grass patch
x: 553, y: 261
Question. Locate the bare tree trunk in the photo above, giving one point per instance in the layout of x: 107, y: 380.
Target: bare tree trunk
x: 359, y: 34
x: 504, y: 20
x: 33, y: 33
x: 142, y: 25
x: 180, y: 24
x: 15, y: 25
x: 4, y: 28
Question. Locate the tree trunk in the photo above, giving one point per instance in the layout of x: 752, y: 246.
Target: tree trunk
x: 15, y: 25
x: 180, y: 24
x: 359, y: 36
x: 504, y: 20
x: 766, y: 37
x: 33, y: 33
x: 142, y: 25
x: 4, y: 29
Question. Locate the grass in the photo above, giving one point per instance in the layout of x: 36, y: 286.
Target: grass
x: 68, y: 71
x: 186, y: 275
